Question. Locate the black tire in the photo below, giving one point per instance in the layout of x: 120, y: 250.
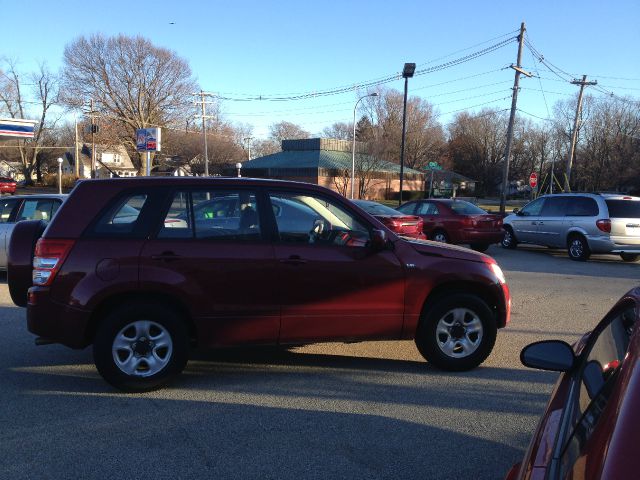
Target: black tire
x: 629, y: 257
x: 473, y: 312
x: 440, y: 236
x: 509, y: 239
x: 479, y: 247
x: 578, y: 248
x: 168, y: 360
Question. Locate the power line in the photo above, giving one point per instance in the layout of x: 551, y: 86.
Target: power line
x: 369, y: 84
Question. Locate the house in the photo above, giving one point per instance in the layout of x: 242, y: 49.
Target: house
x: 328, y: 162
x: 442, y: 183
x: 110, y: 161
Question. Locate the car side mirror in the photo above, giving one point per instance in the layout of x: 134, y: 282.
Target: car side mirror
x: 378, y: 240
x: 554, y: 355
x: 516, y: 211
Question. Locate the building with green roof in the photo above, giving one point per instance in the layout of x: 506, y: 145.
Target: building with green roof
x: 328, y: 162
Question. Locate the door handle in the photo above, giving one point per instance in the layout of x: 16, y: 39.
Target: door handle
x: 293, y: 260
x: 165, y: 256
x: 540, y: 223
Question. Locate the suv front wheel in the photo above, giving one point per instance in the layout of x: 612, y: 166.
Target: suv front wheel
x: 140, y: 347
x: 457, y: 333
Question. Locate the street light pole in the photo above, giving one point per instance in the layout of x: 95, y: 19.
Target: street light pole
x: 239, y: 167
x: 353, y: 153
x: 407, y: 73
x: 60, y: 175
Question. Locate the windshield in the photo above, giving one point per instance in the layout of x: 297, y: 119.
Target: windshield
x: 624, y: 208
x: 465, y: 208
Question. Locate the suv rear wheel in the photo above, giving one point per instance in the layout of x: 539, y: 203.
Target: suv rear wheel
x: 140, y: 347
x: 457, y: 333
x: 578, y: 248
x: 629, y: 257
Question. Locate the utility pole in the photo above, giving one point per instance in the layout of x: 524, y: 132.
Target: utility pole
x: 574, y: 134
x: 512, y: 118
x: 204, y: 130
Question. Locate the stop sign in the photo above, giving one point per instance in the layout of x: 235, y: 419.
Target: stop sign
x: 533, y: 180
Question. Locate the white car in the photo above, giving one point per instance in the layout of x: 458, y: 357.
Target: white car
x: 24, y: 207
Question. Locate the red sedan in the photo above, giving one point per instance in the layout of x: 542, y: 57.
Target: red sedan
x: 7, y: 185
x: 589, y: 429
x: 457, y: 221
x: 405, y: 225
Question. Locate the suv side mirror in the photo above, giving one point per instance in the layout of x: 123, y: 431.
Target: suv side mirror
x: 378, y: 240
x: 554, y: 355
x: 516, y: 211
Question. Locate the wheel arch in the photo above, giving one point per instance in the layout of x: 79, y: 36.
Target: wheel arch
x: 485, y: 292
x: 572, y: 232
x: 114, y: 301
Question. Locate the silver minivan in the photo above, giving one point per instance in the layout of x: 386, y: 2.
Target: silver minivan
x: 583, y: 223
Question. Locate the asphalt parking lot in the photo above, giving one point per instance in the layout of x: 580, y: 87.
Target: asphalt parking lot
x: 367, y: 410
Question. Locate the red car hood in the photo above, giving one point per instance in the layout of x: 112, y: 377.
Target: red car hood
x: 428, y: 247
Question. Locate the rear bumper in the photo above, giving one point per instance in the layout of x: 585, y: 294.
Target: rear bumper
x: 610, y: 245
x: 56, y: 322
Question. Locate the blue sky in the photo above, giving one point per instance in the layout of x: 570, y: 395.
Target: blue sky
x: 261, y: 47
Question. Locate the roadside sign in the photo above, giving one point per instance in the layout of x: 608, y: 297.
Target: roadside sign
x: 433, y: 166
x: 533, y: 180
x: 16, y: 127
x: 148, y: 139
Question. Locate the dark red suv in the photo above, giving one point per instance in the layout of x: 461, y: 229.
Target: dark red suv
x: 142, y: 269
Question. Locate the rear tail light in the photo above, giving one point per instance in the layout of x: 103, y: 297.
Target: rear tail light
x: 467, y: 222
x: 604, y: 225
x: 49, y: 256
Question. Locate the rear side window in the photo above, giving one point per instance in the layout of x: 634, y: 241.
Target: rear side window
x: 582, y: 207
x: 623, y: 208
x: 121, y: 218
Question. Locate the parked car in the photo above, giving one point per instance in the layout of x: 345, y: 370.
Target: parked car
x: 583, y: 223
x: 269, y: 262
x: 589, y: 429
x: 24, y: 207
x: 398, y: 222
x: 7, y: 185
x: 456, y: 221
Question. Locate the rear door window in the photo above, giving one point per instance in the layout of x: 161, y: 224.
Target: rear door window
x: 555, y: 207
x: 623, y: 208
x: 427, y: 208
x: 228, y: 215
x: 37, y: 209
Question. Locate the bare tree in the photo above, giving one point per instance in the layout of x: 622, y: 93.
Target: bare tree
x: 45, y: 88
x: 134, y: 83
x: 339, y: 130
x: 286, y: 131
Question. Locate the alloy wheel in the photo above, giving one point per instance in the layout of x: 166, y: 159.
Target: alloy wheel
x: 142, y: 348
x: 459, y: 332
